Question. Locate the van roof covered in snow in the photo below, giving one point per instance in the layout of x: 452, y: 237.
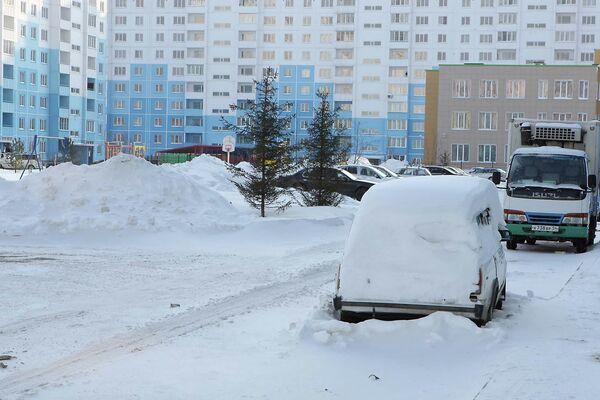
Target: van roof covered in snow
x: 451, y: 196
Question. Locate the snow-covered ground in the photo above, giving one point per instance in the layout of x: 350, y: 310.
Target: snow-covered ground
x: 87, y: 309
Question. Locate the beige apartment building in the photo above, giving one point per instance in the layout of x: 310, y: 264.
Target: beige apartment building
x: 468, y: 107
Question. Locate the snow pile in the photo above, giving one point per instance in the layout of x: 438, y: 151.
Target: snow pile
x: 245, y: 166
x: 122, y: 193
x: 437, y: 329
x: 429, y: 245
x: 394, y: 165
x: 208, y: 170
x: 358, y: 160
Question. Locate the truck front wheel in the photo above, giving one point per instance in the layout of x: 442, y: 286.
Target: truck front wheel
x: 580, y: 245
x: 592, y: 231
x: 511, y: 244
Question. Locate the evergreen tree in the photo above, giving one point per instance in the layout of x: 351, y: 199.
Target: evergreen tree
x: 267, y: 127
x: 15, y: 156
x: 324, y: 150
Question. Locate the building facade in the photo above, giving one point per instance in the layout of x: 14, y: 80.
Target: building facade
x: 166, y: 71
x: 177, y: 65
x: 52, y: 78
x: 470, y: 107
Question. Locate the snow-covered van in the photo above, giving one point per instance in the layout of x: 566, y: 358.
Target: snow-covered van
x: 444, y: 254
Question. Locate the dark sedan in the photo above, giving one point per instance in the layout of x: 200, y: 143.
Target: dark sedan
x: 342, y: 182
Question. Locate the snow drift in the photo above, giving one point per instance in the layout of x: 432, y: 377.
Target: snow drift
x: 123, y: 192
x: 437, y: 329
x: 209, y: 171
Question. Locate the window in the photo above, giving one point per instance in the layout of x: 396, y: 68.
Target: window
x: 488, y: 121
x: 396, y: 141
x: 563, y: 89
x: 561, y: 116
x: 488, y: 89
x: 512, y: 115
x: 418, y: 144
x: 461, y: 88
x: 396, y: 124
x: 460, y: 152
x: 486, y: 153
x: 460, y: 120
x: 584, y: 90
x: 515, y: 89
x: 542, y: 89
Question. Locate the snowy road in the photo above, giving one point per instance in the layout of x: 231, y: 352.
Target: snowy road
x: 255, y: 326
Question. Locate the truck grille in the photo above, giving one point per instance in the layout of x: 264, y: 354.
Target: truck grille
x: 544, y: 219
x: 556, y: 133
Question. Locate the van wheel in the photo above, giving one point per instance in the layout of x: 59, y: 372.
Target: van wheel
x: 580, y: 245
x: 30, y: 168
x: 531, y: 241
x: 500, y: 302
x: 511, y: 244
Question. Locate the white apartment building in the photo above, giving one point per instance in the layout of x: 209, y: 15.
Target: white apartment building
x: 52, y: 78
x: 175, y: 66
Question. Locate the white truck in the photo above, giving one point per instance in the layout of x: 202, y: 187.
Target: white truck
x: 551, y: 190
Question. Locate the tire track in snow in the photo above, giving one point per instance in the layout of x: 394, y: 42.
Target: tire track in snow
x: 22, y: 384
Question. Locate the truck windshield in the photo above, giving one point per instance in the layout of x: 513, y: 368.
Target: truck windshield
x: 557, y: 176
x: 548, y: 170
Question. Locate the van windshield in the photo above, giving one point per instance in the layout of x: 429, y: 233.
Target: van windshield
x: 547, y: 176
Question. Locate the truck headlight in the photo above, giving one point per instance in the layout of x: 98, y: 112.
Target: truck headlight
x: 515, y: 216
x: 575, y: 219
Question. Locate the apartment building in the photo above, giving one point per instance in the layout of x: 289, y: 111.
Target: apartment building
x: 177, y: 65
x: 167, y: 71
x: 469, y: 107
x: 52, y: 77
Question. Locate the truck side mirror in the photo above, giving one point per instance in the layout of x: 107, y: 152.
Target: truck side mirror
x: 592, y: 181
x: 496, y: 177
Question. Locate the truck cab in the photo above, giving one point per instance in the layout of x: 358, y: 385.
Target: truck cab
x: 551, y: 191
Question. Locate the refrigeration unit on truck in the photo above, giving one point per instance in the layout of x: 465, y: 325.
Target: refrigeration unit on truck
x: 551, y: 190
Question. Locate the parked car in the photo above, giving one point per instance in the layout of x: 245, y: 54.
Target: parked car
x: 487, y: 172
x: 365, y: 172
x: 343, y: 182
x: 388, y: 172
x: 5, y: 162
x: 441, y: 170
x: 413, y: 171
x: 443, y: 255
x: 458, y: 170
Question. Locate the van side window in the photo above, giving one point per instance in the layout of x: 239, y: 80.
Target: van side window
x: 484, y: 217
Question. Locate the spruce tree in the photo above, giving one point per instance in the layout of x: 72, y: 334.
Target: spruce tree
x: 15, y: 157
x: 267, y: 126
x: 324, y: 150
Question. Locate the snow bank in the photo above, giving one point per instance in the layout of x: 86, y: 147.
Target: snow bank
x: 437, y: 329
x: 208, y: 170
x: 122, y: 193
x: 394, y: 165
x: 429, y: 245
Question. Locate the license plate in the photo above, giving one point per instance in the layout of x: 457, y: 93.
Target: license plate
x: 544, y: 228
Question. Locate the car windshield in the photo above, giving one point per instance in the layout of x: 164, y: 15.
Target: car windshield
x: 384, y: 171
x: 547, y: 170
